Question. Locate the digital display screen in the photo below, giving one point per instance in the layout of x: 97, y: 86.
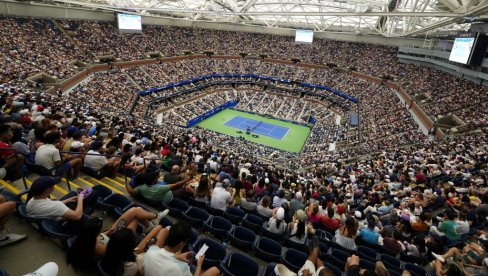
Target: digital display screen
x: 461, y: 50
x: 129, y: 22
x: 304, y: 36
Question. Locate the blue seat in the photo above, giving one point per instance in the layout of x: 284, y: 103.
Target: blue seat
x: 253, y: 222
x: 219, y: 227
x: 3, y: 272
x: 269, y: 271
x: 267, y: 249
x: 195, y: 217
x: 102, y: 193
x: 197, y: 203
x: 56, y: 229
x: 176, y: 206
x: 264, y: 218
x: 91, y: 172
x: 293, y: 259
x: 215, y: 212
x: 120, y: 211
x: 337, y: 271
x: 239, y: 264
x: 415, y: 269
x: 114, y: 201
x: 393, y: 272
x: 215, y: 254
x: 339, y: 257
x: 391, y: 263
x: 324, y: 236
x: 365, y: 264
x: 323, y: 250
x: 271, y: 235
x: 297, y: 245
x: 342, y: 248
x: 242, y: 238
x: 367, y: 253
x: 234, y: 215
x: 22, y: 212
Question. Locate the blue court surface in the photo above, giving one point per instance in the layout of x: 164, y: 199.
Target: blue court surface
x: 258, y: 127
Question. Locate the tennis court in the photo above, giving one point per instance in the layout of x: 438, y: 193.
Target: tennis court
x: 258, y: 127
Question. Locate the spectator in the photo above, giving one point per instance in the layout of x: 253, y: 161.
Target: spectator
x: 105, y: 166
x: 249, y: 202
x: 6, y: 210
x: 276, y: 223
x: 279, y: 199
x: 203, y: 191
x: 221, y: 197
x: 263, y: 209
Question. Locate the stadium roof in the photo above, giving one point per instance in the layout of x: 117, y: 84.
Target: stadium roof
x: 390, y: 18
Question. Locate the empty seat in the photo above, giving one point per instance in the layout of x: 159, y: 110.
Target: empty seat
x: 271, y: 235
x: 215, y: 254
x: 55, y: 229
x: 234, y: 215
x: 267, y: 249
x: 415, y: 269
x: 367, y: 253
x: 253, y: 222
x: 297, y: 245
x: 339, y: 257
x: 113, y: 201
x: 219, y: 227
x: 242, y: 238
x: 239, y: 264
x: 195, y: 216
x: 293, y: 259
x: 176, y: 207
x: 215, y: 212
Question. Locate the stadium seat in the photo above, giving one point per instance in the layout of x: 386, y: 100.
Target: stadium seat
x: 234, y: 215
x: 269, y: 271
x: 219, y: 227
x: 215, y: 212
x: 264, y: 218
x: 365, y: 264
x: 113, y: 201
x: 253, y: 222
x: 91, y: 172
x: 267, y: 249
x: 415, y: 269
x: 324, y: 248
x: 102, y: 193
x: 324, y: 236
x: 120, y: 211
x: 296, y: 245
x: 293, y: 259
x: 367, y: 253
x: 195, y: 217
x: 339, y: 257
x: 391, y: 263
x: 40, y: 170
x: 55, y: 229
x: 239, y: 264
x: 393, y: 272
x: 196, y: 203
x: 22, y: 212
x: 271, y: 235
x: 337, y: 271
x: 101, y: 270
x: 242, y: 238
x: 342, y: 248
x: 176, y: 206
x: 215, y: 254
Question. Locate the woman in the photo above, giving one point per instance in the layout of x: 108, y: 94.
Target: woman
x: 346, y: 234
x: 297, y: 229
x: 313, y: 213
x: 263, y: 209
x: 260, y: 188
x: 82, y: 254
x: 203, y: 192
x: 120, y: 258
x: 370, y: 234
x: 276, y: 223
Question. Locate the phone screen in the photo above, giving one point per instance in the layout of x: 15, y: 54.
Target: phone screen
x: 202, y: 251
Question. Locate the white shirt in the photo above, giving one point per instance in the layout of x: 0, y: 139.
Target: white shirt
x: 159, y: 261
x: 46, y: 155
x: 277, y: 201
x: 462, y: 227
x: 96, y: 162
x: 220, y: 198
x: 46, y: 208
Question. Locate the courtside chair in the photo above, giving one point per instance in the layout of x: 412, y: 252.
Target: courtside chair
x: 239, y: 264
x: 267, y: 249
x: 195, y: 217
x: 293, y: 259
x: 215, y: 254
x: 242, y: 238
x: 234, y: 215
x: 219, y: 227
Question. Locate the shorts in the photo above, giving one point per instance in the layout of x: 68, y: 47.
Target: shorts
x: 311, y: 267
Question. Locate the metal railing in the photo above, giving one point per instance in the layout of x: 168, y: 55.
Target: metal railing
x: 18, y: 167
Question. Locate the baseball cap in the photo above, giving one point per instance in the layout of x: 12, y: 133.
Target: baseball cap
x: 301, y: 216
x: 226, y: 182
x: 42, y: 183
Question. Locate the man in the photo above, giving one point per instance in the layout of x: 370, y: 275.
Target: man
x: 39, y: 204
x: 11, y: 159
x: 297, y: 203
x: 174, y: 177
x: 101, y: 164
x: 221, y: 197
x: 49, y: 157
x: 328, y: 221
x: 150, y: 189
x: 447, y: 228
x: 279, y: 199
x: 169, y: 260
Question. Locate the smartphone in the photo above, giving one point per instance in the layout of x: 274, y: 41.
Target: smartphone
x: 202, y: 251
x: 121, y: 224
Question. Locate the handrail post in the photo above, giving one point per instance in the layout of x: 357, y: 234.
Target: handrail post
x: 63, y: 170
